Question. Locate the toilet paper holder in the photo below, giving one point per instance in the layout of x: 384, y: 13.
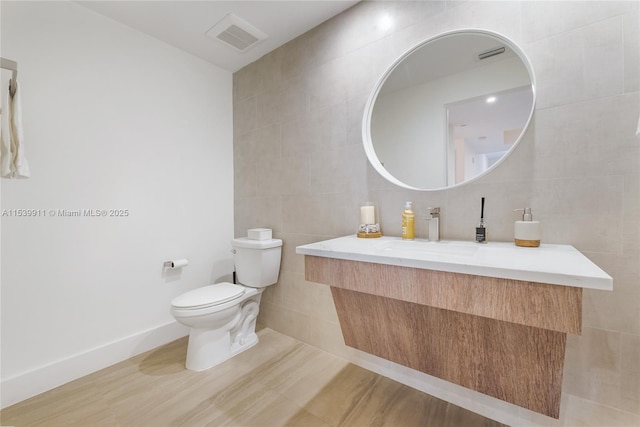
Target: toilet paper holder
x: 177, y: 263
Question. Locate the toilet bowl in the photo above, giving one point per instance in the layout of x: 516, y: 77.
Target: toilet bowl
x: 222, y: 317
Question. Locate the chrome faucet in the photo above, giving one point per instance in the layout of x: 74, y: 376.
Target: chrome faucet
x: 433, y: 216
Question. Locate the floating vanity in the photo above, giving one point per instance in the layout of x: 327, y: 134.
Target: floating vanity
x: 490, y: 317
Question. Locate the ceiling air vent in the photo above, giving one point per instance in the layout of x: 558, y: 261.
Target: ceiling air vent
x: 491, y: 52
x: 236, y: 32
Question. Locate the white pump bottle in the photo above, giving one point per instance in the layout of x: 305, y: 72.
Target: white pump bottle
x: 527, y: 232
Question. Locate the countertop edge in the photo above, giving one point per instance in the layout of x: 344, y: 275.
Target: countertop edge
x: 604, y: 282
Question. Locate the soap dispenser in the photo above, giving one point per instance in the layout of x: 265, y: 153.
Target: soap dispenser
x: 408, y: 222
x: 527, y: 232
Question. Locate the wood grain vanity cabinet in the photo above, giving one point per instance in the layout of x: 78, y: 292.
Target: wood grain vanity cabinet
x: 502, y: 337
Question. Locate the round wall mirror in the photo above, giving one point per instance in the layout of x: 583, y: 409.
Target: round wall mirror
x: 449, y: 110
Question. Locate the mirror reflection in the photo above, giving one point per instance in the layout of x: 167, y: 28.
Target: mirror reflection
x: 449, y: 110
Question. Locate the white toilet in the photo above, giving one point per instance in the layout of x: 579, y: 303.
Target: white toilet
x: 222, y: 317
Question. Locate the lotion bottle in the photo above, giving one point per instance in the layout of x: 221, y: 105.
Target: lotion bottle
x: 408, y: 223
x: 527, y: 232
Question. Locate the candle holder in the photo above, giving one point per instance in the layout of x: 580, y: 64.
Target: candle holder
x: 369, y: 226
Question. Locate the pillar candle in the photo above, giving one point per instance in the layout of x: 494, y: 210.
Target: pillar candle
x: 367, y: 215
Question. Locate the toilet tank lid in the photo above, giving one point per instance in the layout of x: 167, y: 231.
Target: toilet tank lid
x: 244, y: 242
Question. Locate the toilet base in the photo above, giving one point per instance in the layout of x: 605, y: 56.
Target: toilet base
x: 210, y: 347
x: 213, y: 353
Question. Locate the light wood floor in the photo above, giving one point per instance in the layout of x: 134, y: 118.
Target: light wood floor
x: 279, y: 382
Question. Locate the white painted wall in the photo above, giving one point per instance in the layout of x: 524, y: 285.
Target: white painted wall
x: 113, y: 119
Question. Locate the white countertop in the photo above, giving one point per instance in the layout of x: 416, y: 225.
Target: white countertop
x: 554, y: 264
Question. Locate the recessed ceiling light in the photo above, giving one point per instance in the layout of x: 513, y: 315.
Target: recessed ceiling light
x: 491, y: 99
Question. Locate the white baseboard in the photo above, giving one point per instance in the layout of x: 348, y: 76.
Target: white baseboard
x: 31, y: 383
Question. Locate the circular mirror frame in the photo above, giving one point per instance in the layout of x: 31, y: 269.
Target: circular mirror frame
x: 368, y: 110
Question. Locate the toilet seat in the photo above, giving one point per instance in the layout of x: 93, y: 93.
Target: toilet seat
x: 208, y: 296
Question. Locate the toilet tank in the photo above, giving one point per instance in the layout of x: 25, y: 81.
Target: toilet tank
x: 257, y: 261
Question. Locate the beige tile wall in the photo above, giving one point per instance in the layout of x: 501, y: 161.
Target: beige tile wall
x: 300, y: 169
